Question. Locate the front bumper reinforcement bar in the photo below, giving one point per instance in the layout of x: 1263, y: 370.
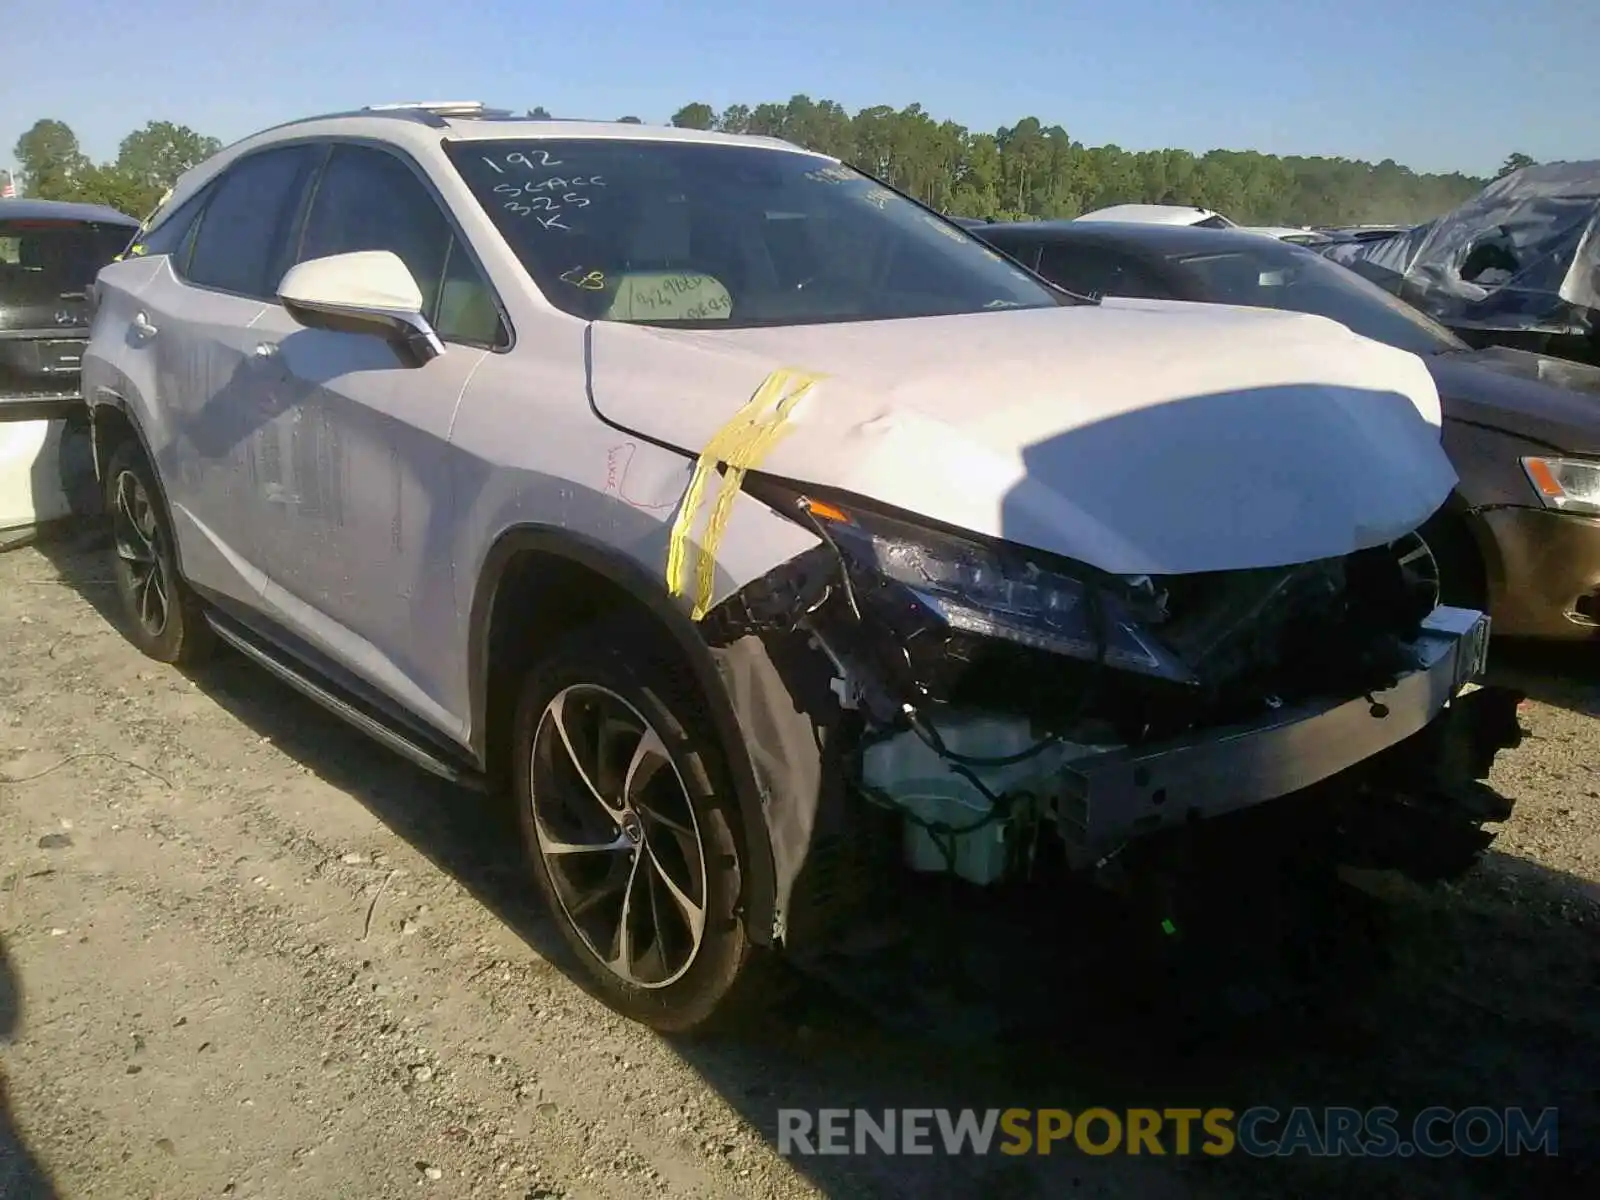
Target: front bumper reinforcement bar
x: 1107, y: 799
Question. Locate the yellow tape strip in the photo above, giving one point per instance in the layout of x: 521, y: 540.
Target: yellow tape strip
x: 742, y: 443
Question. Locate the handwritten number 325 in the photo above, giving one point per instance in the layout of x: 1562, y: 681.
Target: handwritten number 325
x: 529, y: 205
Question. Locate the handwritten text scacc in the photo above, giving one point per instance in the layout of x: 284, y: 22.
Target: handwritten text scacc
x: 547, y: 200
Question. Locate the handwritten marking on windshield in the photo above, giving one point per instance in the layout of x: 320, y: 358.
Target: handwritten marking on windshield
x: 532, y: 203
x: 878, y: 197
x: 589, y: 281
x: 832, y: 173
x: 545, y: 186
x: 531, y: 209
x: 679, y: 284
x: 520, y: 158
x: 556, y: 183
x: 717, y: 308
x: 545, y: 200
x: 532, y: 206
x: 553, y: 221
x: 675, y: 292
x: 947, y: 230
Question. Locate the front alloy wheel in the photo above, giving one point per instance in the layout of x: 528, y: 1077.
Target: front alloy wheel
x: 618, y: 836
x: 632, y: 829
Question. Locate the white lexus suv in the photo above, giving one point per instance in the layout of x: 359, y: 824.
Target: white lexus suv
x: 768, y: 538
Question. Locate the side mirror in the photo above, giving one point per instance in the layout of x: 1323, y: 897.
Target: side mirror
x: 366, y: 291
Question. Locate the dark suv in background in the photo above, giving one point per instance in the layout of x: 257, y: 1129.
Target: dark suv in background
x: 50, y: 253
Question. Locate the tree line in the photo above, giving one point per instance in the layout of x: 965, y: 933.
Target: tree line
x: 1026, y: 170
x: 1030, y: 169
x: 54, y: 166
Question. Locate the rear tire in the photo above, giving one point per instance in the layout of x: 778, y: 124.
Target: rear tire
x: 162, y: 615
x: 611, y: 754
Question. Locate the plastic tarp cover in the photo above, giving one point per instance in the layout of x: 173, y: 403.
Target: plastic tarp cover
x: 1524, y: 254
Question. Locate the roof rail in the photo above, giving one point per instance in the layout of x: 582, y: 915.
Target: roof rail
x: 398, y: 112
x: 439, y: 109
x: 433, y: 114
x: 442, y: 107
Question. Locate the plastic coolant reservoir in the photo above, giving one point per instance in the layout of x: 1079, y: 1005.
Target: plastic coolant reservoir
x: 920, y: 781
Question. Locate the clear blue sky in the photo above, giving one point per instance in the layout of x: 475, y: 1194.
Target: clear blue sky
x: 1434, y: 84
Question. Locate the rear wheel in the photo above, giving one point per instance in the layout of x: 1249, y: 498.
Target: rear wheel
x: 631, y: 829
x: 164, y: 618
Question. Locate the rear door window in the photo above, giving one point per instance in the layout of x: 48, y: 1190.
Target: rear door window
x: 240, y: 245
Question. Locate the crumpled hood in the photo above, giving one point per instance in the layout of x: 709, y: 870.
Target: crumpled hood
x: 1136, y: 436
x: 1533, y: 396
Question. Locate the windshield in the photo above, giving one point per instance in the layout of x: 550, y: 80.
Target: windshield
x: 695, y: 234
x: 1279, y: 275
x: 44, y: 261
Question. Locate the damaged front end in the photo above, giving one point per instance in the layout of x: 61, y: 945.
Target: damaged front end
x: 920, y: 697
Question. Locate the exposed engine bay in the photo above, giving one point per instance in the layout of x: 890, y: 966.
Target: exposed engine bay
x: 963, y: 707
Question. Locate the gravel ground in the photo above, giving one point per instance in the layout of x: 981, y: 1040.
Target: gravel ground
x: 247, y: 953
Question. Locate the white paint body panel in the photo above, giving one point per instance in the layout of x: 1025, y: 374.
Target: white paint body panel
x: 363, y: 279
x: 31, y: 490
x: 1139, y: 436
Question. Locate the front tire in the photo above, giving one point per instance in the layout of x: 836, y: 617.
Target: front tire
x: 1457, y: 564
x: 163, y: 617
x: 631, y: 829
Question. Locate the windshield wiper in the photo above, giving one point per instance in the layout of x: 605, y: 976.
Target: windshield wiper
x: 1077, y: 298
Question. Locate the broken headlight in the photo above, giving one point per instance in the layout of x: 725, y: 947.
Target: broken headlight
x: 996, y: 590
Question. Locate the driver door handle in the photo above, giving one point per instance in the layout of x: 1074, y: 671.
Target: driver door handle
x: 266, y: 350
x: 142, y: 326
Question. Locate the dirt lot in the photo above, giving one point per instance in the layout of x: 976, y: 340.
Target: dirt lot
x: 246, y: 953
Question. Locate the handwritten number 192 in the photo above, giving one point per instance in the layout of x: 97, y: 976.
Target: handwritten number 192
x: 526, y: 159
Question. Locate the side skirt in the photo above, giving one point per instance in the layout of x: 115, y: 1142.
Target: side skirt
x: 341, y: 704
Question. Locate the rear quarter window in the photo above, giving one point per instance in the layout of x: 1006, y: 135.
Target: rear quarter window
x: 168, y: 232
